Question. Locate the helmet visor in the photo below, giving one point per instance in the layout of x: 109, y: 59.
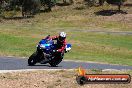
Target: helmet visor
x: 61, y: 38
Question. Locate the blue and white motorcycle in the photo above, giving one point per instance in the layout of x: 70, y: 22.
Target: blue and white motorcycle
x: 44, y: 53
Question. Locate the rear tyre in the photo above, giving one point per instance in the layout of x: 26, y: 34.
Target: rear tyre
x: 55, y: 62
x: 32, y: 59
x: 57, y: 59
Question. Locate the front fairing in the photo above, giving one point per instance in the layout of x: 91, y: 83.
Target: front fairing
x: 45, y: 45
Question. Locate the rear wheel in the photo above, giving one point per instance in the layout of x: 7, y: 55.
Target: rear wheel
x: 55, y: 62
x: 57, y: 59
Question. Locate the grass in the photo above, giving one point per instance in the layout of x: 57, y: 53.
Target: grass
x: 18, y: 37
x: 94, y: 47
x: 103, y: 47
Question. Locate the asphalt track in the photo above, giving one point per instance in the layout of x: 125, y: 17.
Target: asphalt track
x: 14, y: 63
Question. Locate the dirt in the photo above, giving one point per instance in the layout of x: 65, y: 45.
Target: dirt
x: 49, y: 79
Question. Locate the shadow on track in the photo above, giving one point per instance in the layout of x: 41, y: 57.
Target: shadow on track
x: 45, y: 65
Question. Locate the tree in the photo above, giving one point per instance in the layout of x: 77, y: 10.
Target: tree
x: 113, y: 2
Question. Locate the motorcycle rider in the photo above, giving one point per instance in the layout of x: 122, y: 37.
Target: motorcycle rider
x: 60, y: 44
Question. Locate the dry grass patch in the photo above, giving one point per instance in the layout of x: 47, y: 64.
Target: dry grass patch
x: 52, y: 79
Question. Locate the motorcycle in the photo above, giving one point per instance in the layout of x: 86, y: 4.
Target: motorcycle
x: 44, y: 53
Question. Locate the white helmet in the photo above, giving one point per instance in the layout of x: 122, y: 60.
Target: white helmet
x: 62, y: 35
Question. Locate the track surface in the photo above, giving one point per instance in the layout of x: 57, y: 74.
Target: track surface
x: 14, y: 63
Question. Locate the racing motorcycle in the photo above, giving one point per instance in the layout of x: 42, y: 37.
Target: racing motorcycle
x: 44, y: 53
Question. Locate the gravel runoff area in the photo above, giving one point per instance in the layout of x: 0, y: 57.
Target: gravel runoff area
x: 51, y: 79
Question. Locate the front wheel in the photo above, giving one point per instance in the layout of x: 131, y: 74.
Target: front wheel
x: 32, y: 59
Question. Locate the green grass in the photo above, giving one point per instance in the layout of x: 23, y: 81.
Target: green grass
x: 16, y: 45
x: 19, y: 37
x: 106, y: 48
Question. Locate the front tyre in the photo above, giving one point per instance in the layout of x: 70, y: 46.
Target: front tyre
x: 32, y: 59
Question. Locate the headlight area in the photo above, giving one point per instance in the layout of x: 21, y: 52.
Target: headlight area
x: 40, y: 46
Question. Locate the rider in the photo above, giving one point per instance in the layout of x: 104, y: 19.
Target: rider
x: 61, y: 42
x: 60, y: 45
